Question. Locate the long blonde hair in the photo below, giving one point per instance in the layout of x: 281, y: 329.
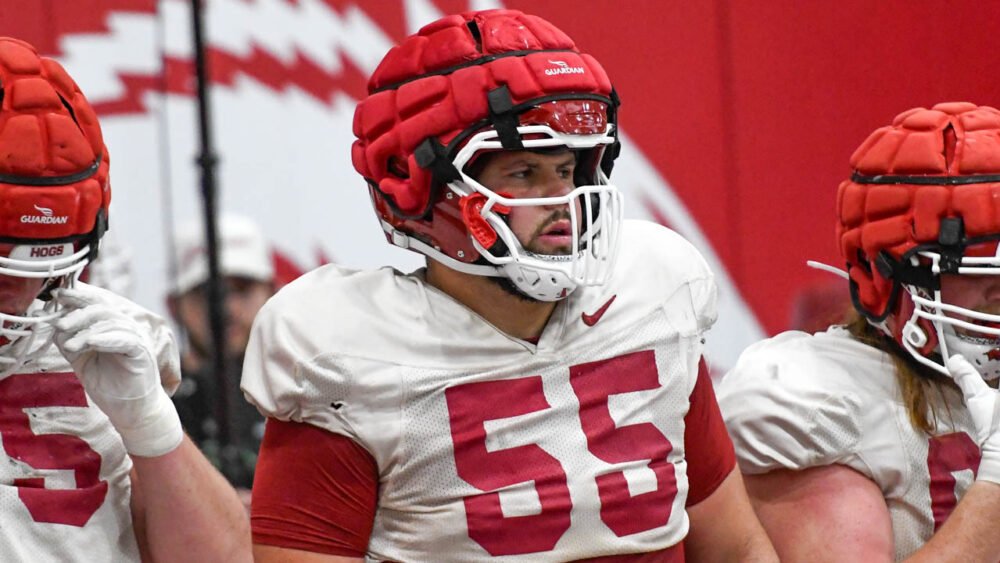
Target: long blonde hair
x: 921, y: 388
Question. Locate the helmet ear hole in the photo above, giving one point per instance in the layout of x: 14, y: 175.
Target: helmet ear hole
x: 395, y: 166
x: 863, y: 262
x: 476, y: 35
x: 69, y: 108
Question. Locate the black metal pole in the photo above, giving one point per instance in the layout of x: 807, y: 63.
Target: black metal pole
x: 207, y: 161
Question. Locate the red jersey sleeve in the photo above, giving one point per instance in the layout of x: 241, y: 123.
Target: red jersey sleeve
x: 710, y: 454
x: 313, y: 490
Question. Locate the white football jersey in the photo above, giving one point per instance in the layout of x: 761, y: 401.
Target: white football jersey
x: 64, y: 473
x: 800, y: 400
x: 65, y: 486
x: 490, y: 447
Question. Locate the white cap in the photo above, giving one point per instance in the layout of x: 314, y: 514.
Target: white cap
x: 243, y: 252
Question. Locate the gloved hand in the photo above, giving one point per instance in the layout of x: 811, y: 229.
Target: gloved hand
x: 113, y: 356
x: 983, y: 403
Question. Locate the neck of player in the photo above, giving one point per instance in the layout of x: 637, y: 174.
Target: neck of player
x: 513, y: 315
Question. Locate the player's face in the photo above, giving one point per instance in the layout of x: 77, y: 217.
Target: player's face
x: 527, y: 174
x: 244, y: 297
x: 17, y: 293
x: 979, y: 293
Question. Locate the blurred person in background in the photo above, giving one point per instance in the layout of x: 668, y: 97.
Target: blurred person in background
x: 247, y: 270
x: 94, y: 463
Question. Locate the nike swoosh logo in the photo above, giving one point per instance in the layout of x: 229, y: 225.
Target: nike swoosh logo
x: 591, y: 320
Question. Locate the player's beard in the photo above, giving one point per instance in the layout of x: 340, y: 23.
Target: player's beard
x: 532, y: 246
x: 509, y: 288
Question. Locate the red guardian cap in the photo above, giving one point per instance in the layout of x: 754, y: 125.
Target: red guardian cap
x: 499, y: 70
x: 929, y: 165
x: 53, y: 162
x: 53, y: 182
x: 924, y: 200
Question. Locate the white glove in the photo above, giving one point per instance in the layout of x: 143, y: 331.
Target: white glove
x: 983, y: 403
x: 113, y: 356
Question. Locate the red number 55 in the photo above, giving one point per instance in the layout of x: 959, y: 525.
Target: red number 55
x: 50, y: 451
x: 471, y: 405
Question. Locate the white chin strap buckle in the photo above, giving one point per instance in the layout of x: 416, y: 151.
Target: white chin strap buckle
x: 540, y: 285
x: 914, y: 335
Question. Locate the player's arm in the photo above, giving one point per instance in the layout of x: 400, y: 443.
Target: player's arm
x: 829, y: 513
x: 723, y: 525
x: 834, y: 513
x: 724, y: 528
x: 314, y: 496
x: 969, y: 533
x: 185, y: 510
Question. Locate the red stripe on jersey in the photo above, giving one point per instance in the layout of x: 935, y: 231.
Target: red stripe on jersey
x: 313, y: 490
x: 708, y: 449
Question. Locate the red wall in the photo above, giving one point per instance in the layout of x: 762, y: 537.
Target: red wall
x: 749, y: 109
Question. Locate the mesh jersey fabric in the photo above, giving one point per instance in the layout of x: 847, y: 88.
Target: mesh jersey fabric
x: 65, y: 488
x: 798, y: 400
x: 329, y: 507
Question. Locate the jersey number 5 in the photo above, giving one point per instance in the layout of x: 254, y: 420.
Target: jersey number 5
x: 50, y: 451
x: 472, y: 404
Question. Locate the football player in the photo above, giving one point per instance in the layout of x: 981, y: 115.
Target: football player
x: 855, y: 443
x: 247, y: 272
x: 537, y: 392
x: 93, y: 463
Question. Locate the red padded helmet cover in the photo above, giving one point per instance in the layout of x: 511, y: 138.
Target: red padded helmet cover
x: 53, y: 162
x: 947, y: 141
x: 435, y: 84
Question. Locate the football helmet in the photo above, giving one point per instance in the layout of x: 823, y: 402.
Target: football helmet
x: 922, y: 202
x: 470, y: 84
x: 53, y: 179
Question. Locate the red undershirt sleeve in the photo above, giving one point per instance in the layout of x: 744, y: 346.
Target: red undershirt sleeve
x: 313, y: 490
x: 710, y: 454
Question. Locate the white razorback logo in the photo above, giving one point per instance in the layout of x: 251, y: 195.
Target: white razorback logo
x: 562, y: 67
x: 46, y: 218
